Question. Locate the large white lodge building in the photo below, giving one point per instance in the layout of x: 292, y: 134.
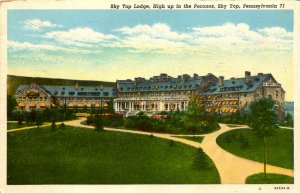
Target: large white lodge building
x: 159, y: 93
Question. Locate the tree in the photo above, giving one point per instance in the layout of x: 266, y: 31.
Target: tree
x: 263, y: 121
x: 20, y: 118
x: 192, y: 119
x: 289, y: 120
x: 11, y: 105
x: 39, y: 119
x: 197, y: 120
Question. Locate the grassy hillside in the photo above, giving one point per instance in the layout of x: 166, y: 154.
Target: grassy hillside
x: 244, y: 143
x: 83, y: 156
x: 13, y: 82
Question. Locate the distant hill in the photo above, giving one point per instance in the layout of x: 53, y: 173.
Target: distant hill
x: 13, y: 82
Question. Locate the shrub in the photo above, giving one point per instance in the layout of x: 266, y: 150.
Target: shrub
x: 90, y: 120
x: 62, y: 126
x: 98, y: 124
x: 200, y: 161
x: 53, y: 126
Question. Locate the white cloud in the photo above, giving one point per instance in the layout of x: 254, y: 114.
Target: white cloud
x: 227, y: 37
x: 227, y: 29
x: 79, y: 36
x: 161, y: 38
x: 157, y: 30
x: 14, y: 45
x: 276, y: 32
x: 37, y: 24
x: 30, y: 46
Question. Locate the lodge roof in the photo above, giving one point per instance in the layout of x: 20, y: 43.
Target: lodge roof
x: 160, y: 83
x: 236, y: 85
x: 75, y: 91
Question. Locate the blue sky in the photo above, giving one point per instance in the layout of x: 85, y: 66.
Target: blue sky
x: 121, y: 44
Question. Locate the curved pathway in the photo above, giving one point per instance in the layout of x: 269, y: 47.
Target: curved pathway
x: 232, y: 169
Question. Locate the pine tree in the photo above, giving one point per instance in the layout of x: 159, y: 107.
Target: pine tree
x: 200, y: 161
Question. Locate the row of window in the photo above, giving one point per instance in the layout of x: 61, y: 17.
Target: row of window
x: 159, y: 87
x: 143, y: 94
x: 82, y: 88
x: 33, y: 98
x: 83, y: 93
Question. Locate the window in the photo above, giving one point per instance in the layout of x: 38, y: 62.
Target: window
x: 245, y: 94
x: 105, y: 94
x: 276, y: 93
x: 62, y: 93
x: 270, y: 96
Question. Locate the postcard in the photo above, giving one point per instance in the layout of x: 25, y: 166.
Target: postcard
x: 149, y: 96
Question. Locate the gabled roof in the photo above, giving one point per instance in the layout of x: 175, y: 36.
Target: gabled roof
x: 22, y: 88
x: 236, y: 85
x: 73, y: 91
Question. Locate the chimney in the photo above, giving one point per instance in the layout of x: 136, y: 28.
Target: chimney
x: 260, y: 74
x: 195, y: 75
x: 248, y: 76
x: 221, y: 80
x: 76, y: 86
x: 101, y: 86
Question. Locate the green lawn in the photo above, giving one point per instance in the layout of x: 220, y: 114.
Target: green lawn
x: 16, y: 125
x: 83, y: 156
x: 243, y: 142
x: 192, y: 138
x: 271, y: 179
